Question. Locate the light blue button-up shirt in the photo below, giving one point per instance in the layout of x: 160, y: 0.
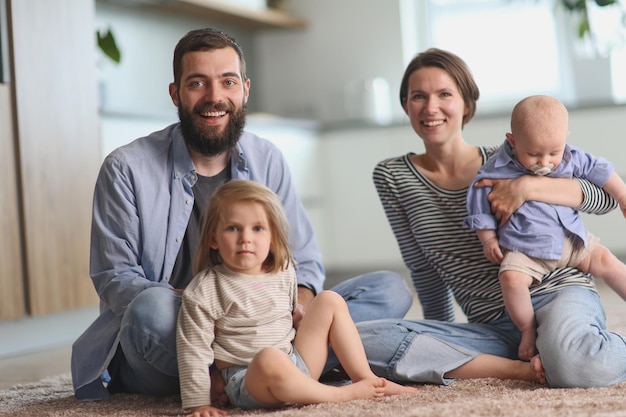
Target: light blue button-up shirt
x: 536, y: 229
x: 142, y: 203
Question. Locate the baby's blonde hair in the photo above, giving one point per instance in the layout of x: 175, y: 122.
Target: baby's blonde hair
x: 539, y: 115
x: 280, y: 255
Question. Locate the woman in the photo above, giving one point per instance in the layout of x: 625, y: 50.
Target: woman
x: 424, y: 197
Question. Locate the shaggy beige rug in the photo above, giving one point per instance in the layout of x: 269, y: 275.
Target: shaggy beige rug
x: 488, y: 397
x: 481, y: 397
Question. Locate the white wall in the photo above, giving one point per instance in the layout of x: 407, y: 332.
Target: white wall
x: 356, y: 230
x: 303, y: 74
x: 146, y: 38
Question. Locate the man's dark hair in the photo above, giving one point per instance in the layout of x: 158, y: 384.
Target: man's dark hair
x: 206, y: 39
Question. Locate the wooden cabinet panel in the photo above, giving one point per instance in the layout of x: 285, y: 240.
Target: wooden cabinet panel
x: 12, y: 294
x: 54, y: 72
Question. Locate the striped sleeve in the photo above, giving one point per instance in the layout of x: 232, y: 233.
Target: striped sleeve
x: 595, y: 199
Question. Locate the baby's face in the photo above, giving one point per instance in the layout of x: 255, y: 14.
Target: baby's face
x: 540, y: 153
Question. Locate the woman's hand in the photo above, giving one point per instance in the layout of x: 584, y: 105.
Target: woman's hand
x: 506, y: 196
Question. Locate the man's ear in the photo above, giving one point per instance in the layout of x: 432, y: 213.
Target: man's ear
x: 246, y: 90
x: 174, y: 93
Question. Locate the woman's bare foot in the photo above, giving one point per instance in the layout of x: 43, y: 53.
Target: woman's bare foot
x: 537, y: 367
x: 392, y: 388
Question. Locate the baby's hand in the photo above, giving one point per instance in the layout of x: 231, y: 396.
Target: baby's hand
x: 492, y: 251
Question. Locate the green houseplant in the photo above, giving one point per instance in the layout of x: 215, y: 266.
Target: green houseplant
x: 108, y: 46
x: 580, y: 7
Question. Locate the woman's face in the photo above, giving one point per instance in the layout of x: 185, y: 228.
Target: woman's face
x: 434, y: 105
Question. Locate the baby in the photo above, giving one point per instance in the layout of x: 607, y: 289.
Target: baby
x: 540, y: 237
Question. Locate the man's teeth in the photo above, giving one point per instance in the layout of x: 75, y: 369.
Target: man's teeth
x: 434, y: 123
x: 214, y: 114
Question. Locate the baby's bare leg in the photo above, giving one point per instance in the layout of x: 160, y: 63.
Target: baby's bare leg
x: 517, y: 301
x: 601, y: 263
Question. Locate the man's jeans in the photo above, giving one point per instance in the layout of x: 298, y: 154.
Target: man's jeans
x: 148, y: 330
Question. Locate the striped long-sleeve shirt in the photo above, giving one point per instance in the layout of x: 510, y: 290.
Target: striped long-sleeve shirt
x: 444, y: 257
x: 229, y: 316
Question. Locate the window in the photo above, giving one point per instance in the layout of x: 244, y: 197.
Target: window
x: 514, y: 48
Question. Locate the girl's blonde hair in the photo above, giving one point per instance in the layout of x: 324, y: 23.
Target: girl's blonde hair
x: 280, y: 255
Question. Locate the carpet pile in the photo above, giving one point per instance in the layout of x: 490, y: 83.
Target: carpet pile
x: 53, y: 397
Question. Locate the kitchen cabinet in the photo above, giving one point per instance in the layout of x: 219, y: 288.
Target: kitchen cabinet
x: 50, y: 140
x: 224, y: 12
x: 12, y: 294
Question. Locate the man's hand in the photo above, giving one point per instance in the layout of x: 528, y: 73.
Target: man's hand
x: 506, y: 196
x: 305, y: 296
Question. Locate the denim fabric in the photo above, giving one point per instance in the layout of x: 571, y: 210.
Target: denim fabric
x: 142, y: 202
x: 148, y: 330
x: 372, y: 296
x: 576, y: 348
x: 236, y: 390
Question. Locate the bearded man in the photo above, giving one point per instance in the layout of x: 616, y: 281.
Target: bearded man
x: 147, y: 209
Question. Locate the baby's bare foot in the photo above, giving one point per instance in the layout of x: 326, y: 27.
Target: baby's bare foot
x: 537, y: 367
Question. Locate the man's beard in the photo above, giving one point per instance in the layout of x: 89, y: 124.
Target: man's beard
x: 207, y: 140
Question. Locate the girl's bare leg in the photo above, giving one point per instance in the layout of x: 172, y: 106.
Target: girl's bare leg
x: 273, y: 379
x: 327, y: 320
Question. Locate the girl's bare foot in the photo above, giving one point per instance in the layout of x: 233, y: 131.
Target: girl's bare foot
x: 392, y: 388
x: 364, y: 389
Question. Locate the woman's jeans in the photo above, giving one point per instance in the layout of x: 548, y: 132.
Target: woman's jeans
x: 148, y: 331
x: 575, y: 347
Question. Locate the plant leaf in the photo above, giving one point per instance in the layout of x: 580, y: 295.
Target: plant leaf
x: 106, y: 43
x: 583, y: 27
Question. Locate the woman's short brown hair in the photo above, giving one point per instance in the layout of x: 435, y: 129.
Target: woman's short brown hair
x: 453, y: 65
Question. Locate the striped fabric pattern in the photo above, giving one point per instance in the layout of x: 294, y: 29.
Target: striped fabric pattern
x: 444, y: 257
x: 229, y: 316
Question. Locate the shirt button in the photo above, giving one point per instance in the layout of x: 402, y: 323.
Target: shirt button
x: 178, y: 239
x: 189, y: 202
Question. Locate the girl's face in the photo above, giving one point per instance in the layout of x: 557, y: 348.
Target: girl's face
x: 434, y: 105
x: 243, y: 237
